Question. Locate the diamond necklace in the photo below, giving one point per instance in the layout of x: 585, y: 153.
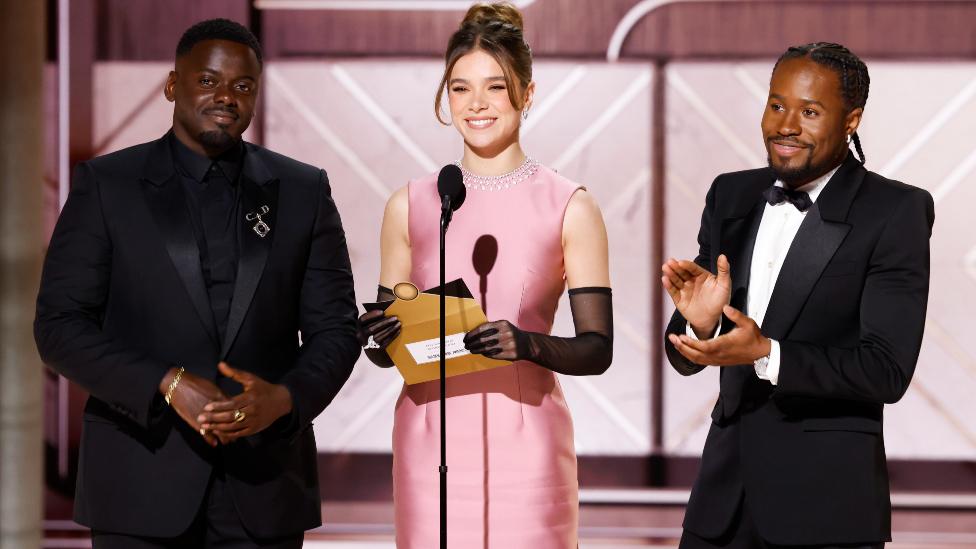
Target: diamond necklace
x: 498, y: 182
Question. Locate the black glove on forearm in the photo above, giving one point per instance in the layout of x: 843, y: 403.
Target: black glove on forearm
x: 588, y: 353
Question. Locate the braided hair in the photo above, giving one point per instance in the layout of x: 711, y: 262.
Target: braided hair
x: 853, y: 74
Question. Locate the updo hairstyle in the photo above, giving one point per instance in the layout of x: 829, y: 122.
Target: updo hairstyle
x: 496, y: 29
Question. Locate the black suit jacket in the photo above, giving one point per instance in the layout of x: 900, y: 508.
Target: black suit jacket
x: 122, y: 300
x: 848, y: 310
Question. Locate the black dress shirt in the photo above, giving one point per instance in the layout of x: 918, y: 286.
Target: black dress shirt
x: 213, y: 199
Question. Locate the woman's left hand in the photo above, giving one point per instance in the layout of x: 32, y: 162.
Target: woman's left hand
x: 500, y: 340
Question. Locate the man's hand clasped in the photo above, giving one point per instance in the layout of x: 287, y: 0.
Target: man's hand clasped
x: 221, y: 419
x: 702, y: 297
x: 188, y: 394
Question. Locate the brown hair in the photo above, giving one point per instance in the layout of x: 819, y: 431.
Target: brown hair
x: 495, y: 29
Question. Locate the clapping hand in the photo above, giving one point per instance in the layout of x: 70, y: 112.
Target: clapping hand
x: 742, y: 345
x: 698, y: 294
x: 254, y: 410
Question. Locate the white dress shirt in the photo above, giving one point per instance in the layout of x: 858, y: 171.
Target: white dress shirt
x: 777, y: 229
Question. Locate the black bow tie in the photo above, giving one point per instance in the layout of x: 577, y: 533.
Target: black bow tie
x: 777, y: 195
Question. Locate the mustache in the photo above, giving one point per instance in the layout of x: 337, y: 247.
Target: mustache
x: 222, y: 110
x: 788, y: 142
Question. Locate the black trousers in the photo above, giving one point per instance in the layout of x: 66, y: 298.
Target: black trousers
x: 216, y: 526
x: 743, y: 535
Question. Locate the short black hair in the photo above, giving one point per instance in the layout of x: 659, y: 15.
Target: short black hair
x: 851, y: 71
x: 218, y: 29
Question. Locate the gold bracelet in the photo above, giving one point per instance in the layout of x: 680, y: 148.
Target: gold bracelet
x: 172, y: 386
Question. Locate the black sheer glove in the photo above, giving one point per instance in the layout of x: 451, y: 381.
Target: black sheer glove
x: 376, y: 331
x: 589, y: 353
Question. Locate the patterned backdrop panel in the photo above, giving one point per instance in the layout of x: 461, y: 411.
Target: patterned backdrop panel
x: 370, y: 124
x: 917, y: 129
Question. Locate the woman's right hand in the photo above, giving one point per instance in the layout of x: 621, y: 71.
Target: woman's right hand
x: 382, y: 329
x: 376, y: 332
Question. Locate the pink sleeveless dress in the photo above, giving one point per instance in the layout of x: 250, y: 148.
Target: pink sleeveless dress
x: 511, y: 460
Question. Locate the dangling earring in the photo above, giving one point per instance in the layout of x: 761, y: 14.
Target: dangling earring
x: 525, y: 113
x: 848, y: 138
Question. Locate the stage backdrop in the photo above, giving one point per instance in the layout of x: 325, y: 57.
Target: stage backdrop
x: 370, y: 123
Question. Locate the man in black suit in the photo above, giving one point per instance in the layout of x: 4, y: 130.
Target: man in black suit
x: 831, y: 264
x: 178, y: 278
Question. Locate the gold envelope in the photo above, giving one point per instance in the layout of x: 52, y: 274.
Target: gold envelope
x: 419, y: 339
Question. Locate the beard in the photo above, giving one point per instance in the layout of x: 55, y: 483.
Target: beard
x: 216, y: 140
x: 794, y: 177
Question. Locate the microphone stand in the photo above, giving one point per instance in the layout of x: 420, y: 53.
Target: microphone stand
x: 446, y: 214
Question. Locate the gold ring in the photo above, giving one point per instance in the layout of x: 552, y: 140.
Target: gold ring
x: 239, y: 416
x: 203, y: 432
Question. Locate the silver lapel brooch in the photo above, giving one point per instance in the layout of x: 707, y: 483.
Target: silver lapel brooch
x: 260, y: 227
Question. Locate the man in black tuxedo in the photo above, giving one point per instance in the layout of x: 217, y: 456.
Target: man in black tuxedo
x: 178, y: 278
x: 831, y: 264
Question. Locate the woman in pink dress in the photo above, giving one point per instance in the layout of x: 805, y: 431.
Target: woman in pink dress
x: 523, y: 233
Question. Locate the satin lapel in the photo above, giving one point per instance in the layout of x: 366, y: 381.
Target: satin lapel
x: 821, y: 233
x: 257, y: 190
x: 814, y: 245
x: 164, y: 196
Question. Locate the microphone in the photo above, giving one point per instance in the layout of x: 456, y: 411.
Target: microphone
x: 450, y: 187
